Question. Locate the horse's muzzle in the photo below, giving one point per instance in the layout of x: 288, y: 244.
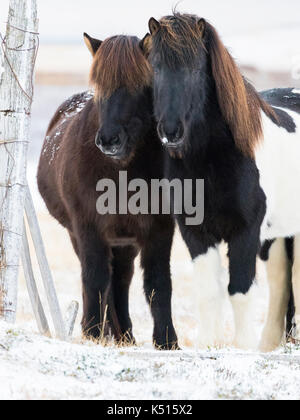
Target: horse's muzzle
x: 171, y: 134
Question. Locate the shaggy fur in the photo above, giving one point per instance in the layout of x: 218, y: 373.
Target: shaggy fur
x: 71, y: 166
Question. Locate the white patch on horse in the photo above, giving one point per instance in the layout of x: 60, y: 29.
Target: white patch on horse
x: 278, y: 279
x: 208, y: 296
x: 244, y: 308
x: 277, y: 158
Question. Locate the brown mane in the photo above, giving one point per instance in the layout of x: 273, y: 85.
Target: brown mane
x: 119, y: 62
x: 179, y: 39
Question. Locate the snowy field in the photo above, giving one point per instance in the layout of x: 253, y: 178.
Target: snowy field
x: 264, y: 37
x: 32, y: 367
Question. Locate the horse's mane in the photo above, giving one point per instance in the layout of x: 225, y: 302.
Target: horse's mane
x: 179, y: 39
x: 119, y: 62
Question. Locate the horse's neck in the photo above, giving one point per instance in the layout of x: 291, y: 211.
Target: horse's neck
x: 209, y: 129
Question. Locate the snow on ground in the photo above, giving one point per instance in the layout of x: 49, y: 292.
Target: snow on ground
x: 33, y: 367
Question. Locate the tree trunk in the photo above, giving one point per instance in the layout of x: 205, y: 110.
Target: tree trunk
x: 16, y: 90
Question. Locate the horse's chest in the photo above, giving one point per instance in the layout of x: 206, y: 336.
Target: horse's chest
x: 232, y: 196
x: 222, y: 211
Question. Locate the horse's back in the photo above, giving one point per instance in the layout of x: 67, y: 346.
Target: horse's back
x: 54, y: 154
x: 288, y: 98
x: 69, y: 108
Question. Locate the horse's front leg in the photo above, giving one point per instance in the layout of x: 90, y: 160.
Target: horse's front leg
x: 98, y: 307
x: 123, y: 268
x: 208, y: 294
x: 155, y: 260
x: 243, y: 249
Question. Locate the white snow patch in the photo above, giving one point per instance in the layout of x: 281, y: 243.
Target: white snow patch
x: 297, y: 91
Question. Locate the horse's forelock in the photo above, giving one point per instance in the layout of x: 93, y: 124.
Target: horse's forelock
x: 178, y: 39
x: 119, y: 62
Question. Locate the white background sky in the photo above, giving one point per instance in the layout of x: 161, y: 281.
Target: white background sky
x: 264, y: 32
x: 65, y: 20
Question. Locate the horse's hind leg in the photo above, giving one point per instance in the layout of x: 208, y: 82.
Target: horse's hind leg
x: 123, y: 268
x: 95, y: 257
x: 278, y: 279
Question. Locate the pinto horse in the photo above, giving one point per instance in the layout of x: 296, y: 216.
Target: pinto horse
x: 118, y: 117
x: 216, y: 127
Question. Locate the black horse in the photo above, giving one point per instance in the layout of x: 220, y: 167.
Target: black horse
x: 120, y: 117
x: 216, y: 127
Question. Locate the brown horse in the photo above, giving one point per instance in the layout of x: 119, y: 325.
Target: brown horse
x: 119, y: 116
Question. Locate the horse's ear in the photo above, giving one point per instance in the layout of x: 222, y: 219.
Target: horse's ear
x: 145, y: 44
x: 202, y: 27
x: 92, y: 43
x: 154, y: 26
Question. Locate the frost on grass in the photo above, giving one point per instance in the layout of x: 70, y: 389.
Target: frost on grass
x: 32, y: 366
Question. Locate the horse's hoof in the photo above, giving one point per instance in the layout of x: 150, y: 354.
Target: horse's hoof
x: 126, y: 342
x: 167, y: 347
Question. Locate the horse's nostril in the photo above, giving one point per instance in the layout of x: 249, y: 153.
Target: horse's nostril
x: 115, y: 141
x: 171, y: 131
x: 180, y: 131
